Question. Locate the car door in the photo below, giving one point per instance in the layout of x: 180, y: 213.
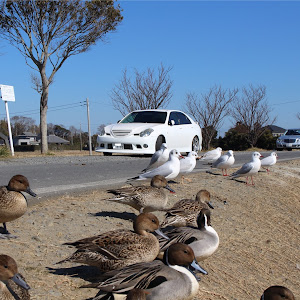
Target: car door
x: 179, y: 136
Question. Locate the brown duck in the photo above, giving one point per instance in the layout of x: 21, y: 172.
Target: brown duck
x: 13, y: 203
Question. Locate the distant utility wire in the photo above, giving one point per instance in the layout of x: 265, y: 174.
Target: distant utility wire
x: 50, y: 109
x: 286, y: 102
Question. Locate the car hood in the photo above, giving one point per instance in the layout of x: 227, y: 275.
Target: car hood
x: 132, y: 127
x: 289, y: 137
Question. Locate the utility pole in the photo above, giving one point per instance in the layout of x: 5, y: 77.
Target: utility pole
x: 89, y: 126
x: 80, y: 138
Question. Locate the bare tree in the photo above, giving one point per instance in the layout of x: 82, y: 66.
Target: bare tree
x: 48, y: 32
x: 209, y: 110
x: 252, y: 110
x: 147, y: 90
x: 22, y: 124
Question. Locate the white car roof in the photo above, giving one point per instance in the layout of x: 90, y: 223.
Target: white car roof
x: 162, y: 110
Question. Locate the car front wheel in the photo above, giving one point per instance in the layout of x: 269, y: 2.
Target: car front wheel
x: 195, y: 144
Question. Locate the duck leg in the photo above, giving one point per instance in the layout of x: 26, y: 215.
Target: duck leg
x: 4, y: 234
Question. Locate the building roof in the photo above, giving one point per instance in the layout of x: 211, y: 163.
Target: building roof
x: 276, y: 129
x: 28, y: 133
x: 53, y: 139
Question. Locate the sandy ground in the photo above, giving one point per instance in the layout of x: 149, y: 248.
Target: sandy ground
x: 258, y: 228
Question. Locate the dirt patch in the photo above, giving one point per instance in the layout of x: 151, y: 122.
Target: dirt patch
x: 258, y: 228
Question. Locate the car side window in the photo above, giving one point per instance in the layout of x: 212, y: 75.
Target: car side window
x: 173, y: 116
x: 182, y: 118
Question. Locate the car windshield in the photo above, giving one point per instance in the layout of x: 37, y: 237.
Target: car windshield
x: 146, y: 117
x: 293, y: 132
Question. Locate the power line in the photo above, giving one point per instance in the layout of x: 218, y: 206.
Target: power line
x: 285, y: 102
x: 50, y: 109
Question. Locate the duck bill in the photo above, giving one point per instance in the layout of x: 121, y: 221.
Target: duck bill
x: 19, y: 281
x: 159, y: 232
x: 210, y: 205
x: 30, y: 192
x: 169, y: 189
x: 197, y: 267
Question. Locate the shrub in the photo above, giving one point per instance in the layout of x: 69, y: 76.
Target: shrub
x: 4, y: 152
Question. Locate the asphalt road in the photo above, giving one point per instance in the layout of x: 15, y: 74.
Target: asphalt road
x: 53, y: 176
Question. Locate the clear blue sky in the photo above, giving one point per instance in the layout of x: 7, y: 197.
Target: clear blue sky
x: 228, y: 43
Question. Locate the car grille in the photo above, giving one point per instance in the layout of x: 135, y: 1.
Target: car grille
x: 121, y: 132
x: 289, y: 140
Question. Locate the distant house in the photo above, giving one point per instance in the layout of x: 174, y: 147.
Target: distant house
x: 27, y: 138
x: 276, y: 130
x: 53, y: 139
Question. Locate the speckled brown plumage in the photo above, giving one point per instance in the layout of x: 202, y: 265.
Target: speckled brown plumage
x: 144, y: 198
x: 115, y: 249
x: 185, y: 211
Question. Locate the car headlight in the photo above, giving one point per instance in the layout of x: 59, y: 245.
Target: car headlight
x: 146, y: 132
x: 279, y: 141
x: 297, y: 140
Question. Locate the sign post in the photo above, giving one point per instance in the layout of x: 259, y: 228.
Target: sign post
x: 8, y: 94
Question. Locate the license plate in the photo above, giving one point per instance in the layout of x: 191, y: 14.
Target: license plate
x: 118, y: 146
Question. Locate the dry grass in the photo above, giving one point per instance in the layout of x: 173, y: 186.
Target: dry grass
x: 258, y: 228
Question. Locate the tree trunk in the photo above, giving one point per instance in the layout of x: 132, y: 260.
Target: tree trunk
x: 43, y: 120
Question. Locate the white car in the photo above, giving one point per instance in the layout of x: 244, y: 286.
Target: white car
x: 143, y: 132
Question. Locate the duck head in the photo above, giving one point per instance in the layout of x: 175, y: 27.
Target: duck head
x: 147, y: 222
x: 9, y: 270
x: 160, y: 181
x: 180, y: 254
x: 19, y: 183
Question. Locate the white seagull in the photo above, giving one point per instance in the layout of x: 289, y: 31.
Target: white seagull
x: 212, y: 155
x: 249, y: 169
x: 224, y: 162
x: 188, y: 164
x: 170, y: 169
x: 269, y: 161
x: 158, y: 158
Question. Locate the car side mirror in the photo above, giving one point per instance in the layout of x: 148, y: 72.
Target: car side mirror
x: 119, y: 121
x: 172, y: 123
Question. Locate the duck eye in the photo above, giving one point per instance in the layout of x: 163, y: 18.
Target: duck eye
x: 6, y: 267
x: 185, y: 251
x: 153, y: 221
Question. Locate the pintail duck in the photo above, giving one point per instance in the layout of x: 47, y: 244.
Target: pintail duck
x: 172, y: 279
x: 185, y: 211
x: 119, y: 248
x: 13, y: 203
x: 277, y: 292
x: 144, y: 198
x: 224, y: 162
x: 170, y: 169
x: 203, y: 239
x: 188, y: 164
x: 249, y: 169
x: 11, y: 282
x: 158, y: 158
